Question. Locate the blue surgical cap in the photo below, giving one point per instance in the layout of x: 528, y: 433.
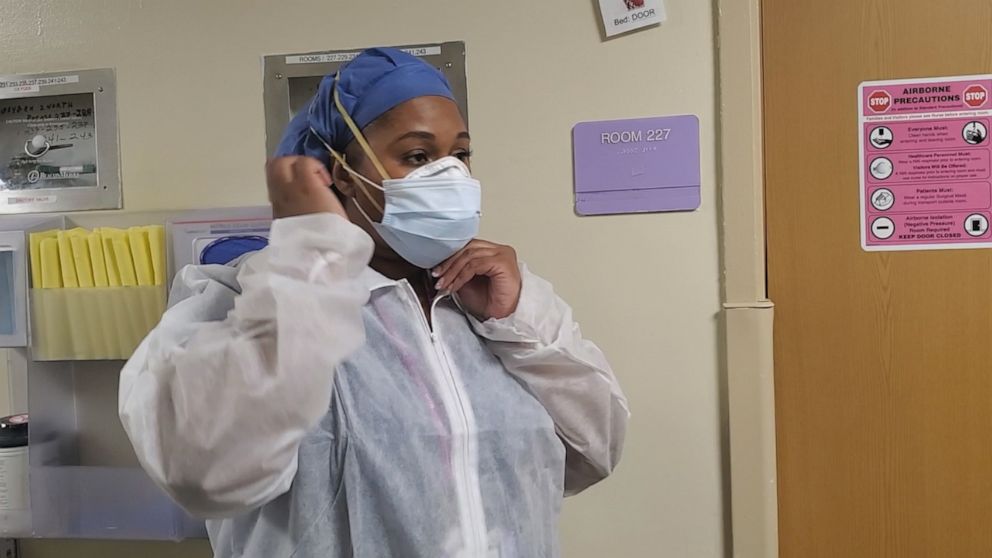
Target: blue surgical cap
x: 374, y: 82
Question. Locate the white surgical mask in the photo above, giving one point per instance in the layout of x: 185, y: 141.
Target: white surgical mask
x: 429, y: 214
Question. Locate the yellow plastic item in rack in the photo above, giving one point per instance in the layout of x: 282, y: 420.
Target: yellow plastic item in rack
x: 141, y: 256
x: 68, y: 266
x: 156, y: 241
x: 97, y: 261
x: 125, y: 261
x: 81, y: 257
x: 110, y: 258
x: 36, y: 258
x: 51, y: 268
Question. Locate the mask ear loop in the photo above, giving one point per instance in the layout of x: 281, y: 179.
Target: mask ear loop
x: 365, y: 147
x: 357, y: 133
x: 340, y: 159
x: 365, y: 191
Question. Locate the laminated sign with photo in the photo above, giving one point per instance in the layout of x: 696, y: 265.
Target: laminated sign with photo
x: 620, y: 16
x: 48, y: 142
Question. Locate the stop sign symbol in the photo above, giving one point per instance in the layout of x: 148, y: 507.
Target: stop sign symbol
x: 879, y: 101
x: 975, y: 96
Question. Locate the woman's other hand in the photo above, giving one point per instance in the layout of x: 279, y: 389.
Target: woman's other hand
x: 486, y: 277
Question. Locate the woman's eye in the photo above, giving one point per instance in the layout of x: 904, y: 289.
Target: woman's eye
x: 465, y: 156
x: 417, y: 159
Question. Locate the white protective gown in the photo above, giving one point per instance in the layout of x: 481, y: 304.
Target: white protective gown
x: 304, y: 405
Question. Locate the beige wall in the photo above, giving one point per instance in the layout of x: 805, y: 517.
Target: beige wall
x: 645, y: 287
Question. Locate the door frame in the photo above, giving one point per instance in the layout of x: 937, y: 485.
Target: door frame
x: 747, y: 313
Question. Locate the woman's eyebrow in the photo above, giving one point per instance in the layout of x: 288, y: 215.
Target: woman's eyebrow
x: 416, y: 134
x: 427, y: 136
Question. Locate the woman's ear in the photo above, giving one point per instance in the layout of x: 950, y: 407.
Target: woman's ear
x: 343, y: 180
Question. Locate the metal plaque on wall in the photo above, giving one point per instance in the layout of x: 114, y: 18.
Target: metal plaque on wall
x: 59, y: 142
x: 291, y: 80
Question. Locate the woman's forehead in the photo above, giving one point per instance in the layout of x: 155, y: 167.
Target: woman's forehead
x: 435, y: 115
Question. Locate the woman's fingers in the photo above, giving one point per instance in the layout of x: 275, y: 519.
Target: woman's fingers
x: 312, y: 172
x: 299, y: 186
x: 444, y: 266
x: 471, y: 270
x: 452, y: 268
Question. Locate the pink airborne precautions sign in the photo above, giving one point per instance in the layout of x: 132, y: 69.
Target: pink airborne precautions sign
x: 926, y: 163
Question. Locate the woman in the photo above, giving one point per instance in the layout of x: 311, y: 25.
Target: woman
x: 328, y: 397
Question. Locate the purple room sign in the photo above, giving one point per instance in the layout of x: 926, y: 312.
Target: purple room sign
x: 640, y: 165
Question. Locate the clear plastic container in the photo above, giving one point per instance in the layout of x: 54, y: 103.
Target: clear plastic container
x: 6, y: 291
x: 85, y: 479
x: 79, y: 502
x: 14, y: 268
x: 104, y: 323
x: 13, y: 290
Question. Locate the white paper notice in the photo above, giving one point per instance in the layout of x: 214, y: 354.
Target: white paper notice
x: 620, y: 16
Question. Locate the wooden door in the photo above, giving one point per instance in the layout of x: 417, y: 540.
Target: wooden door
x: 883, y: 361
